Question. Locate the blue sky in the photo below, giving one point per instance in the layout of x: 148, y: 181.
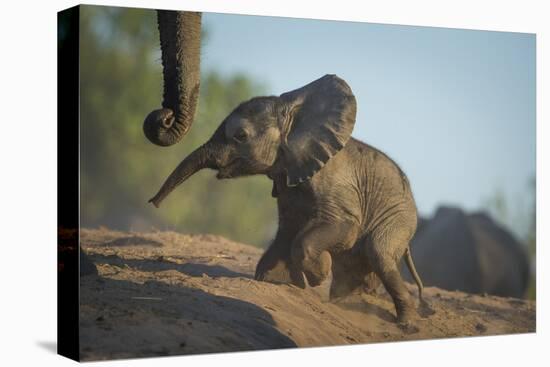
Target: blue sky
x: 455, y: 108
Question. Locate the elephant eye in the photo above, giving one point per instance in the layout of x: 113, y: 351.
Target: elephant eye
x: 240, y: 136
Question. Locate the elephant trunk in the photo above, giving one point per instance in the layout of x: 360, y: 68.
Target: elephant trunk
x: 180, y: 41
x: 200, y: 158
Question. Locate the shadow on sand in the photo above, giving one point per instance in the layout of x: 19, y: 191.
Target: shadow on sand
x: 125, y: 319
x: 191, y: 269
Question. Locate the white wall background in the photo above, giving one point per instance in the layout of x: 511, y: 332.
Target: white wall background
x: 28, y: 181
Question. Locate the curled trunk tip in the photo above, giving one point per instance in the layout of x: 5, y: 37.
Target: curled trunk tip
x: 180, y: 41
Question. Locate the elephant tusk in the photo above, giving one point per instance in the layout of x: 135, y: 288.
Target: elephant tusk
x: 306, y: 284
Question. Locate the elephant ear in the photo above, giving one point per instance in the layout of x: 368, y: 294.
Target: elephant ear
x: 319, y: 119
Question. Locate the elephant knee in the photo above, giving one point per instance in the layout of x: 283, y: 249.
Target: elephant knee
x: 303, y: 257
x: 304, y: 253
x: 318, y: 268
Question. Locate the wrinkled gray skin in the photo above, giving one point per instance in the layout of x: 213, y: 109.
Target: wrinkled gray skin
x: 343, y: 205
x: 180, y: 42
x: 471, y: 253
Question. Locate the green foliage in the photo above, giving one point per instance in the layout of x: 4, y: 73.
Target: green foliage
x: 522, y: 221
x: 121, y: 82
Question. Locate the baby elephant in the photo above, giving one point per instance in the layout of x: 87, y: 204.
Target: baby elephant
x: 343, y: 205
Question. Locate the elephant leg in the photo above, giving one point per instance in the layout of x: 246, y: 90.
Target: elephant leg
x: 371, y: 283
x: 275, y: 264
x: 382, y: 255
x: 310, y: 250
x: 348, y: 274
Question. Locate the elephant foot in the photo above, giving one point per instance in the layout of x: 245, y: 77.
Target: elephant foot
x: 406, y: 312
x: 408, y: 327
x: 281, y: 273
x: 406, y: 318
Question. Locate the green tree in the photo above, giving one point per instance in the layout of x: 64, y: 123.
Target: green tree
x: 120, y: 170
x: 522, y: 223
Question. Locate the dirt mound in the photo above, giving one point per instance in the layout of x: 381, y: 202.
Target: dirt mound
x: 165, y: 293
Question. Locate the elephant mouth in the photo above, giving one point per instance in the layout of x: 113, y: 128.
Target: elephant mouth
x: 239, y: 167
x: 226, y: 171
x: 233, y: 169
x: 223, y: 175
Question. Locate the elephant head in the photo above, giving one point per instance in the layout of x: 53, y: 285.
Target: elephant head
x: 293, y: 135
x: 180, y: 41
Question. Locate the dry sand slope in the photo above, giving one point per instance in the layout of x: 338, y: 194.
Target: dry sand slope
x: 166, y: 293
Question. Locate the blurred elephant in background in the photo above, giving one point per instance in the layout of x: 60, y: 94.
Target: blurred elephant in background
x: 470, y: 253
x: 180, y: 43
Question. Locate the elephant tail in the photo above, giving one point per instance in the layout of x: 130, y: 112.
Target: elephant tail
x: 412, y: 270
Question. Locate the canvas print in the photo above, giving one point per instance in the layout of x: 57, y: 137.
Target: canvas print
x: 237, y: 183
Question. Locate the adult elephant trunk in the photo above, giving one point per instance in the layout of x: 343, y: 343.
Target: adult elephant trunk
x: 180, y: 41
x: 202, y: 157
